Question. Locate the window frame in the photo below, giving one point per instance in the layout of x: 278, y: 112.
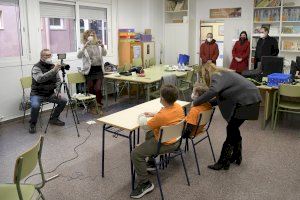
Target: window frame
x: 1, y: 20
x: 109, y: 21
x: 25, y: 47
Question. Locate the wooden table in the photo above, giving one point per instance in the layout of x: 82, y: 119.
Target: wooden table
x: 269, y: 103
x: 122, y: 122
x: 152, y: 75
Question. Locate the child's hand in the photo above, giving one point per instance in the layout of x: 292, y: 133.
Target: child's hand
x: 149, y: 114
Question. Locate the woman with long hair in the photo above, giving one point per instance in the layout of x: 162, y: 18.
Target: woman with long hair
x: 92, y: 57
x: 240, y: 53
x: 238, y: 100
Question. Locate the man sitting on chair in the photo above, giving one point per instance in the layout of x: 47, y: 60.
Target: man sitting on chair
x: 45, y: 79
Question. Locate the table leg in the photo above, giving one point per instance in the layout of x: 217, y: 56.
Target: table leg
x: 148, y: 92
x: 128, y: 89
x: 115, y: 91
x: 103, y: 143
x: 131, y: 165
x: 138, y: 136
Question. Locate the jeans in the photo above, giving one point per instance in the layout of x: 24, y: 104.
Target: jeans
x: 36, y: 102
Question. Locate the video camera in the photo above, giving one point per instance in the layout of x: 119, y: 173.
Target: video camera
x: 61, y: 57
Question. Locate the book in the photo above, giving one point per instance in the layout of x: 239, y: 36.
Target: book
x: 178, y: 6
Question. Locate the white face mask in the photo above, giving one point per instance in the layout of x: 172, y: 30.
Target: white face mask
x: 262, y: 35
x: 90, y: 38
x: 48, y: 61
x: 193, y: 97
x: 209, y: 39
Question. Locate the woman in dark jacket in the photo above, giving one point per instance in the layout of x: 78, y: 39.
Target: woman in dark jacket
x: 240, y: 54
x: 238, y: 100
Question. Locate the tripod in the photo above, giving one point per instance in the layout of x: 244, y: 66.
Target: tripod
x: 70, y: 102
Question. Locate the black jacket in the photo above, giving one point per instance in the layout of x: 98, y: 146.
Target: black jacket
x: 266, y: 47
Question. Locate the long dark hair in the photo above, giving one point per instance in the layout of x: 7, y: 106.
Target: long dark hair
x: 243, y: 41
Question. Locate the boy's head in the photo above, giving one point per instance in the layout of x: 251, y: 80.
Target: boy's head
x: 168, y: 95
x: 198, y: 90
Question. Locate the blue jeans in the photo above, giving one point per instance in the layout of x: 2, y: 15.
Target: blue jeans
x: 36, y: 102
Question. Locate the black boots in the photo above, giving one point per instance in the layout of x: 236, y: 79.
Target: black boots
x: 224, y: 160
x: 237, y: 153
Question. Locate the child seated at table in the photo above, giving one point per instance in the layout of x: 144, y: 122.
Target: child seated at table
x: 192, y: 117
x: 171, y: 114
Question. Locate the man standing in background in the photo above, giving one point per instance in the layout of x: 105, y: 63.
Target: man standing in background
x: 209, y: 51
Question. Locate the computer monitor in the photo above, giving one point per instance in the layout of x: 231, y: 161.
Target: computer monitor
x: 294, y: 69
x: 298, y: 61
x: 271, y: 64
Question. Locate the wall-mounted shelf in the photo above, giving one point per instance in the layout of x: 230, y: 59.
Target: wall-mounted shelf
x: 256, y: 8
x: 290, y: 51
x: 290, y: 35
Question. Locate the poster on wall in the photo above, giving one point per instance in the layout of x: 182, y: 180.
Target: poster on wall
x: 225, y: 13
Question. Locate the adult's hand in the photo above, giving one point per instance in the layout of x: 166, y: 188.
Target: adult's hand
x: 149, y: 114
x: 57, y: 67
x: 238, y: 59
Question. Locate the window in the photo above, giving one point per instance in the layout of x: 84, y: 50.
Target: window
x: 95, y: 19
x: 56, y: 23
x: 58, y: 27
x: 10, y: 35
x: 1, y: 20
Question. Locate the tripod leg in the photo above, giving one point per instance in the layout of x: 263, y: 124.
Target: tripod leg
x: 49, y: 118
x: 75, y: 116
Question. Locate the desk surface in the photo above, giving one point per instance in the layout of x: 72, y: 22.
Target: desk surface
x: 152, y: 75
x: 128, y: 119
x: 265, y: 87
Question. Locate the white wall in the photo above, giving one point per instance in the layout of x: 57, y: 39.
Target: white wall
x: 138, y: 14
x: 232, y: 27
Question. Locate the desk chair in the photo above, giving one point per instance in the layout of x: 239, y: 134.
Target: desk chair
x: 289, y: 106
x: 167, y: 133
x: 74, y: 78
x: 204, y: 121
x: 25, y: 164
x: 186, y: 83
x: 26, y: 83
x: 167, y: 79
x: 137, y: 62
x: 152, y: 62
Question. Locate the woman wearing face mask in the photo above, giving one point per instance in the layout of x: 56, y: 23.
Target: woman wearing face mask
x: 240, y: 54
x: 209, y: 51
x: 238, y: 100
x: 92, y: 57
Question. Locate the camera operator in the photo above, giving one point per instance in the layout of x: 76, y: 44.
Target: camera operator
x: 45, y: 88
x: 92, y: 57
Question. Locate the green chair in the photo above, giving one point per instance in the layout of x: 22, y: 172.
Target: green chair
x: 167, y: 79
x: 137, y: 62
x: 283, y: 105
x: 74, y: 78
x: 26, y: 83
x: 186, y: 83
x: 25, y: 164
x: 152, y: 62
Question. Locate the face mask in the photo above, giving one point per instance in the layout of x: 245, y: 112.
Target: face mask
x: 193, y: 97
x: 209, y: 39
x: 48, y: 61
x: 262, y: 35
x: 90, y: 38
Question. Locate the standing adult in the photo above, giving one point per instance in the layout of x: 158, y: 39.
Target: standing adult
x: 238, y: 100
x: 209, y: 51
x: 266, y: 46
x: 92, y: 57
x: 240, y: 54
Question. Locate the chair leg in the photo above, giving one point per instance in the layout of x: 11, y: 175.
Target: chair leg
x: 275, y: 120
x: 40, y: 116
x: 212, y: 150
x: 196, y: 158
x: 97, y: 108
x: 184, y: 167
x: 41, y: 194
x: 24, y: 113
x: 159, y: 183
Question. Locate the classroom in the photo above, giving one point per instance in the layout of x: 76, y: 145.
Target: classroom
x: 149, y: 99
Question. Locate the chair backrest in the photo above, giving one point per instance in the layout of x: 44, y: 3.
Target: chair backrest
x: 27, y: 161
x: 170, y: 79
x: 26, y: 82
x: 127, y: 67
x: 289, y: 90
x: 74, y: 78
x: 271, y: 64
x: 168, y: 133
x: 152, y: 62
x: 189, y: 76
x: 137, y: 62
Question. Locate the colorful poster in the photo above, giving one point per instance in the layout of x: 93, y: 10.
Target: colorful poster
x: 225, y: 13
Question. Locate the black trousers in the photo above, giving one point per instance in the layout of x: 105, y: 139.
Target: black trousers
x: 233, y: 131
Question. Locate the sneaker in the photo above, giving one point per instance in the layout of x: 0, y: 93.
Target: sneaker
x: 141, y: 190
x: 151, y: 166
x: 32, y: 129
x: 56, y: 122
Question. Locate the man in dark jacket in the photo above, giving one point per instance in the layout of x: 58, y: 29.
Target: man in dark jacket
x: 209, y: 51
x: 266, y: 46
x: 45, y: 80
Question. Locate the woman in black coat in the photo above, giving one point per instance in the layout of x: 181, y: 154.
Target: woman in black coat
x: 238, y: 100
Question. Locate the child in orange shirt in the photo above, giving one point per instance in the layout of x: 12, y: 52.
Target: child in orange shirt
x: 192, y: 117
x: 171, y: 114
